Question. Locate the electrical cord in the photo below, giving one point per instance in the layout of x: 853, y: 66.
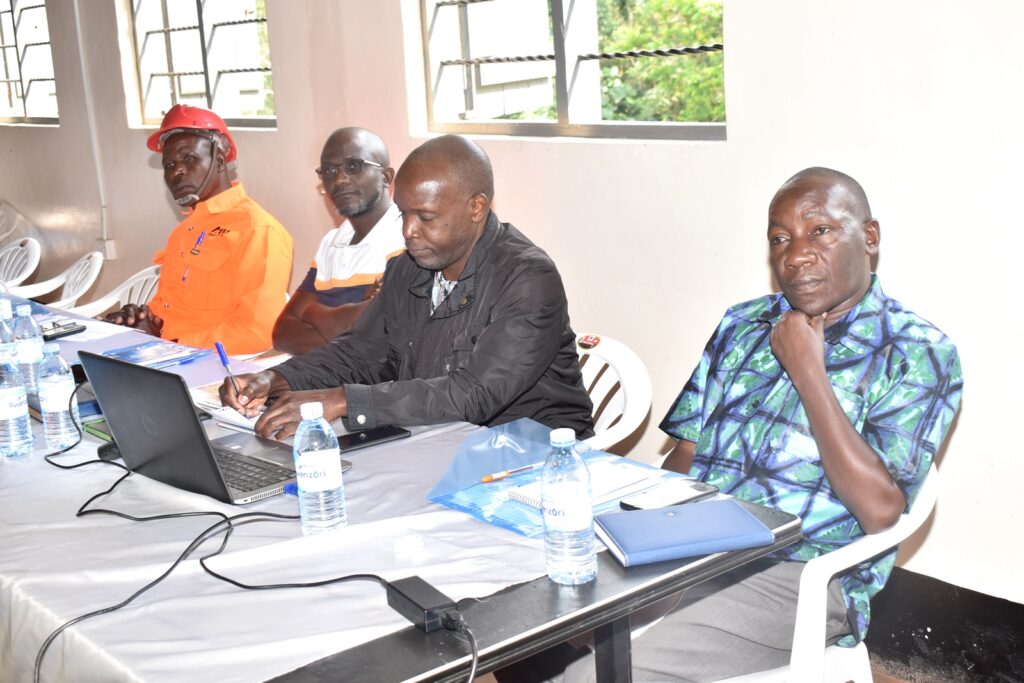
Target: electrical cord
x: 453, y: 620
x: 450, y: 618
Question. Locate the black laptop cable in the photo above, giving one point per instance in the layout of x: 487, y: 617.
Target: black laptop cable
x: 417, y: 600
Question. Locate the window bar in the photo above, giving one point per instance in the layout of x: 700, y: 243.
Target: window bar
x: 665, y: 52
x: 7, y: 80
x: 497, y: 60
x: 172, y: 29
x: 202, y: 48
x: 18, y: 58
x: 172, y: 82
x: 35, y: 80
x: 243, y: 70
x: 467, y: 70
x: 561, y: 70
x: 237, y: 22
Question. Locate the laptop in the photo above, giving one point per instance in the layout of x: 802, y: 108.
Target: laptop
x: 159, y: 434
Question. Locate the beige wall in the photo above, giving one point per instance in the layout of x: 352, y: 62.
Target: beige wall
x: 655, y: 239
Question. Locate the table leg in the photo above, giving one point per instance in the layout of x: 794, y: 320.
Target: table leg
x: 613, y: 652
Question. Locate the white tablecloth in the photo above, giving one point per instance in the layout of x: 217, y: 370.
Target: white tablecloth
x: 54, y: 567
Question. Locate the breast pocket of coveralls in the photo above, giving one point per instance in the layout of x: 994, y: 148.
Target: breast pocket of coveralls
x: 207, y: 285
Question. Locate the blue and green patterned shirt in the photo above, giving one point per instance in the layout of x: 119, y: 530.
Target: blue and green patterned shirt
x: 896, y: 376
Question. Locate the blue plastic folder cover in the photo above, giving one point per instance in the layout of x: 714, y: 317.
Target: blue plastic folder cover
x: 679, y: 531
x: 508, y: 446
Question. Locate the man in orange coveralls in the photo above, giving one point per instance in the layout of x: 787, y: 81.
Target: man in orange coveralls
x: 226, y: 267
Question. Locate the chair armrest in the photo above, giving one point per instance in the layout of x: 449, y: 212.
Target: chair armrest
x: 94, y: 308
x: 808, y: 657
x: 38, y: 288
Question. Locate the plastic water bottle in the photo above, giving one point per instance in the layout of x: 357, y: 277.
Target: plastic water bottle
x: 15, y: 428
x: 568, y: 516
x: 318, y: 472
x: 8, y: 345
x: 30, y: 346
x: 56, y: 385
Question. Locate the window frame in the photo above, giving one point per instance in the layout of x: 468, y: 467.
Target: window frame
x: 19, y: 83
x: 562, y: 127
x: 232, y: 122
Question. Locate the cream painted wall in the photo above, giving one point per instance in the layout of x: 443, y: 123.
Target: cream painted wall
x: 655, y: 239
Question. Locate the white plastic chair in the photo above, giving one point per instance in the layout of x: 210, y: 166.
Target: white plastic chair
x: 76, y: 280
x: 619, y: 386
x: 811, y: 661
x: 138, y: 289
x: 18, y: 261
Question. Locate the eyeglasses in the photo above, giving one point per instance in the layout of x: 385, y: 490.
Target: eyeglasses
x: 350, y: 167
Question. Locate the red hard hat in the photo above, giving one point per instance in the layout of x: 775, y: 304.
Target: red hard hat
x: 185, y: 118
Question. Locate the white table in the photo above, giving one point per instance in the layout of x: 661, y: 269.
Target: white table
x: 55, y: 566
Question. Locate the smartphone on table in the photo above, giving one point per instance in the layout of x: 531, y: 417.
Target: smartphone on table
x: 671, y: 491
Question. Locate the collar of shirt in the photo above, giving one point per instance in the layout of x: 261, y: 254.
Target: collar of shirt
x: 843, y: 333
x: 224, y: 201
x: 343, y: 238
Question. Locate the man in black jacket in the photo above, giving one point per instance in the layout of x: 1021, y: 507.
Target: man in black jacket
x: 470, y: 324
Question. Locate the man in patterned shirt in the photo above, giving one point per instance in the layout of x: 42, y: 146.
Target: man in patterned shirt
x: 829, y: 401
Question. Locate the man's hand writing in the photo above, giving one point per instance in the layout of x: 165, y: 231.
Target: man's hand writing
x: 253, y: 391
x: 281, y: 420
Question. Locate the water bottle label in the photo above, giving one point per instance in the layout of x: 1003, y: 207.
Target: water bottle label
x: 30, y: 350
x: 318, y: 471
x: 13, y: 403
x: 567, y: 517
x: 53, y: 396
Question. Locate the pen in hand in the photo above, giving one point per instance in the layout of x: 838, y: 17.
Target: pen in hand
x: 227, y: 367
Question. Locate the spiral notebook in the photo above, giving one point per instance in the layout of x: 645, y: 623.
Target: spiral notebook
x: 609, y: 480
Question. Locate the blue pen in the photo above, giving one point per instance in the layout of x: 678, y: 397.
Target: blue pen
x: 195, y: 252
x: 227, y: 367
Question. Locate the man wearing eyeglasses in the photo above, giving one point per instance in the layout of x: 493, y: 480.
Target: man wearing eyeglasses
x: 225, y: 269
x: 471, y: 323
x: 356, y: 173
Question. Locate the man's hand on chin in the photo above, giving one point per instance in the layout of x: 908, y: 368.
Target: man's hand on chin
x: 798, y: 341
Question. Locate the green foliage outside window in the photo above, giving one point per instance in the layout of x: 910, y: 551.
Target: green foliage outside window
x: 677, y: 88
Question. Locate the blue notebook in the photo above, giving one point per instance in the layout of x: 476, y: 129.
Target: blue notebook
x: 671, y: 533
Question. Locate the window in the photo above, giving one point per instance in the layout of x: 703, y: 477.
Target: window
x: 29, y: 90
x: 214, y: 55
x: 588, y: 68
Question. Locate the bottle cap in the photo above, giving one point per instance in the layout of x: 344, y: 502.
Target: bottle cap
x: 311, y: 411
x: 51, y: 347
x: 23, y: 310
x: 563, y: 436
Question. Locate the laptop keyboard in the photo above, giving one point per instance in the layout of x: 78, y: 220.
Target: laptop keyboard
x: 249, y: 474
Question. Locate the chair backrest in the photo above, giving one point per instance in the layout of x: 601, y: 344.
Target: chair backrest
x: 138, y: 289
x: 619, y: 386
x: 18, y: 261
x: 78, y: 278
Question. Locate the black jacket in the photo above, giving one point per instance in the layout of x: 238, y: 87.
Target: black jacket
x: 497, y: 349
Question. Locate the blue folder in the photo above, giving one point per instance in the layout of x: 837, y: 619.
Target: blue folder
x: 679, y: 531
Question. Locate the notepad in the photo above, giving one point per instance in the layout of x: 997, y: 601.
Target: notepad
x: 156, y: 353
x: 609, y: 480
x: 679, y: 531
x: 207, y: 397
